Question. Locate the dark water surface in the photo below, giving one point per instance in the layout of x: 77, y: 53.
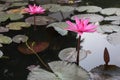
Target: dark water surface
x: 14, y: 68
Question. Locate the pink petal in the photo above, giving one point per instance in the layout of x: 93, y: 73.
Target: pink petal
x: 71, y: 24
x: 90, y: 26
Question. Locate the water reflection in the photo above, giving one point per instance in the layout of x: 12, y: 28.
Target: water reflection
x: 96, y: 42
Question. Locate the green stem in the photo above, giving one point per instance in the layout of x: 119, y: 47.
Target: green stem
x: 78, y: 50
x: 38, y: 57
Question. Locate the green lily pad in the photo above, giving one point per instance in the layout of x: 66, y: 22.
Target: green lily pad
x: 40, y: 20
x: 3, y: 7
x: 15, y: 16
x: 59, y: 27
x: 17, y: 25
x: 5, y: 39
x: 11, y: 0
x: 70, y: 54
x: 18, y: 4
x: 5, y: 16
x: 62, y: 71
x: 3, y: 29
x: 20, y: 38
x: 92, y: 17
x: 1, y: 45
x: 1, y: 53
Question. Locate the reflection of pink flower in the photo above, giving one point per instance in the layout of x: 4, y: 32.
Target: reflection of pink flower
x: 33, y: 9
x: 81, y: 26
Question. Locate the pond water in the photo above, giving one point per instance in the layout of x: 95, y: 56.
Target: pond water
x: 13, y: 66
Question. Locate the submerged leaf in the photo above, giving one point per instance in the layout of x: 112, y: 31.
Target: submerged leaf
x: 59, y: 27
x: 70, y: 54
x: 17, y: 25
x: 62, y: 71
x: 40, y: 20
x: 37, y: 47
x: 20, y: 38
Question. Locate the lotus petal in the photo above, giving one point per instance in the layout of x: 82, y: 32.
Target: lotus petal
x: 112, y: 18
x: 5, y: 39
x: 111, y: 72
x: 17, y: 25
x: 90, y: 9
x: 70, y: 54
x: 109, y: 11
x: 109, y: 28
x: 114, y: 38
x: 36, y: 46
x: 1, y: 53
x: 92, y: 17
x: 20, y: 38
x: 62, y: 71
x: 3, y: 29
x: 40, y: 20
x: 59, y: 27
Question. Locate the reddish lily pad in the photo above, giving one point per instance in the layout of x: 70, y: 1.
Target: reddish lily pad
x: 40, y: 20
x: 36, y: 46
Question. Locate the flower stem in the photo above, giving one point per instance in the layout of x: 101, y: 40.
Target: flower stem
x: 78, y: 50
x: 45, y: 64
x: 35, y: 23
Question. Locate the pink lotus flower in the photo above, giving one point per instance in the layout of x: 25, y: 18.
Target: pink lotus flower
x: 33, y: 9
x: 81, y: 26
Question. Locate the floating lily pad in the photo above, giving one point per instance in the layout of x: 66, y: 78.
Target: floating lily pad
x: 11, y: 0
x: 20, y: 38
x: 48, y: 6
x: 17, y: 11
x: 62, y: 71
x: 68, y: 1
x: 114, y: 38
x: 109, y: 11
x: 91, y: 9
x: 109, y: 28
x: 111, y: 72
x: 117, y: 22
x: 1, y: 53
x: 3, y: 7
x: 18, y: 4
x: 3, y: 29
x: 1, y: 45
x: 5, y: 39
x: 70, y: 54
x: 92, y: 17
x: 59, y: 27
x: 5, y: 16
x: 40, y: 20
x: 62, y: 9
x: 36, y: 46
x: 112, y: 18
x: 118, y: 12
x: 17, y: 25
